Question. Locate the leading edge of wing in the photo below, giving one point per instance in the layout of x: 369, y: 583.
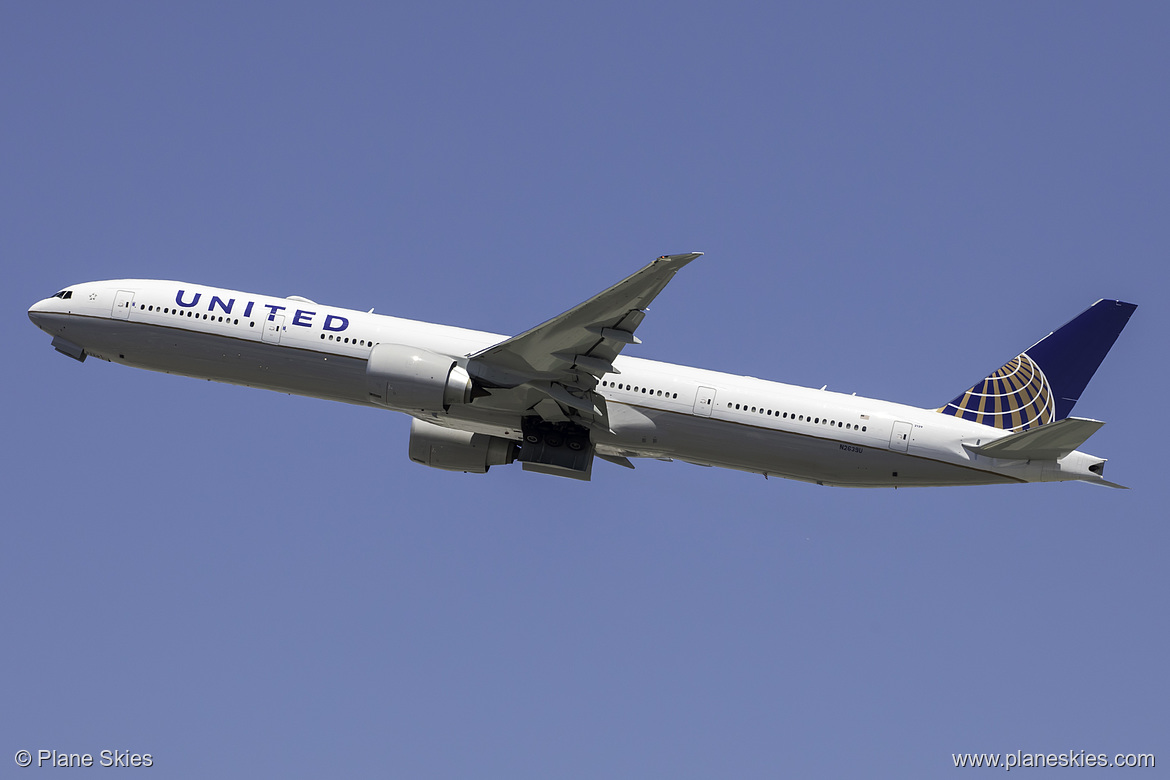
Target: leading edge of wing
x: 585, y: 339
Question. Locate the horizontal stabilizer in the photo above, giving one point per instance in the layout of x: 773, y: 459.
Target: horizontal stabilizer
x: 1048, y: 442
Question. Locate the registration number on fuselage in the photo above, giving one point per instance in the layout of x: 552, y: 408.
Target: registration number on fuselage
x: 851, y: 448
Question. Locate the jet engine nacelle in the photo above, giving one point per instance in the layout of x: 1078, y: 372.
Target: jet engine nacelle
x: 443, y: 448
x: 415, y: 379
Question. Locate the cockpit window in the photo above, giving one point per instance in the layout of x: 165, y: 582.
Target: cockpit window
x: 64, y: 295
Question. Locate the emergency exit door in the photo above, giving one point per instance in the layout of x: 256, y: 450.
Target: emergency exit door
x: 900, y: 438
x: 123, y: 302
x: 273, y: 327
x: 705, y: 401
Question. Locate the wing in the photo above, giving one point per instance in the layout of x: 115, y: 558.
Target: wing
x: 561, y: 360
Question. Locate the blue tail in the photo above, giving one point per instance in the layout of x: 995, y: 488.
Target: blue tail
x: 1043, y: 382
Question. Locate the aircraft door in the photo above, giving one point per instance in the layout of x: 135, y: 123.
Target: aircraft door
x: 900, y: 438
x: 705, y: 401
x: 123, y: 303
x: 273, y: 327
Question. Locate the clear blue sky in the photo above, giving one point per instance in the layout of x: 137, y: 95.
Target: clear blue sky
x: 893, y: 200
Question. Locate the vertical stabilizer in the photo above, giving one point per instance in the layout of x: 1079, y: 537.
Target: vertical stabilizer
x: 1044, y: 382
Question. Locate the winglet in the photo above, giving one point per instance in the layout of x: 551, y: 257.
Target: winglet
x: 620, y: 460
x: 1105, y: 483
x: 681, y: 260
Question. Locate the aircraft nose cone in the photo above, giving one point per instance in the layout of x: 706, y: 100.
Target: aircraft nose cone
x: 40, y: 313
x: 36, y: 311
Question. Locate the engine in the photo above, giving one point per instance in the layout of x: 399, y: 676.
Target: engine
x: 443, y: 448
x: 415, y: 379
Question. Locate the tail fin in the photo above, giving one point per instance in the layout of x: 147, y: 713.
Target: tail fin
x: 1044, y: 382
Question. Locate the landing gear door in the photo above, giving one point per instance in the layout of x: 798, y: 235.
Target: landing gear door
x: 123, y: 302
x: 705, y: 401
x: 273, y: 327
x: 900, y: 437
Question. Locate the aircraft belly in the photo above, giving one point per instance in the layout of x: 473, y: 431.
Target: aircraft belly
x: 643, y: 432
x: 227, y: 359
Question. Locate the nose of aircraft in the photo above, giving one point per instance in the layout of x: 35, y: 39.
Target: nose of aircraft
x: 39, y: 312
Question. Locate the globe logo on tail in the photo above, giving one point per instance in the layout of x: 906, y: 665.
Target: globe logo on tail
x: 1014, y: 398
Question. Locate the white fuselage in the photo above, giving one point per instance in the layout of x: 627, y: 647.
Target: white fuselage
x: 655, y: 410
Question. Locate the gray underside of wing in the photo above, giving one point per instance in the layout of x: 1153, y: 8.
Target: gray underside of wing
x: 563, y: 358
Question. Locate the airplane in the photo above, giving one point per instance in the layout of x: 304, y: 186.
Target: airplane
x: 560, y: 395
